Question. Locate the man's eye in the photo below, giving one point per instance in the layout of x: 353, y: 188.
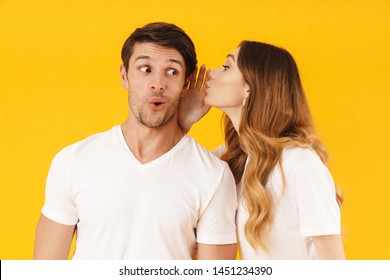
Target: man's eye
x: 145, y: 69
x: 172, y: 72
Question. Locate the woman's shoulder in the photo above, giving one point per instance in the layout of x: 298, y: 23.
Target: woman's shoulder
x: 299, y: 153
x: 294, y: 157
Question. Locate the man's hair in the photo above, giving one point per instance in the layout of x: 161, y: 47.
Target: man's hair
x: 165, y: 35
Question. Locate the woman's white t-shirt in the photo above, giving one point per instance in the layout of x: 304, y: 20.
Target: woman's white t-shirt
x: 306, y: 206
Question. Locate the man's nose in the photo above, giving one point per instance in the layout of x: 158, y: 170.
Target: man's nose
x: 158, y: 82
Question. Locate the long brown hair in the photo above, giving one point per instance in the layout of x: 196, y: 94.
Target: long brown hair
x: 275, y: 115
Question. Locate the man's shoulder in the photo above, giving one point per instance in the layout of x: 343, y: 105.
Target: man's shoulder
x: 203, y: 156
x: 199, y: 165
x: 91, y: 143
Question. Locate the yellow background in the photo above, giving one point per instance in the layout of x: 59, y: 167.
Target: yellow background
x: 59, y: 82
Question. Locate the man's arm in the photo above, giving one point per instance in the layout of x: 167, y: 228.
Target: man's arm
x: 217, y: 252
x: 52, y: 240
x: 329, y: 247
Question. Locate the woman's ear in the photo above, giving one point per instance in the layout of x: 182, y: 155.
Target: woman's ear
x: 247, y: 91
x: 246, y: 94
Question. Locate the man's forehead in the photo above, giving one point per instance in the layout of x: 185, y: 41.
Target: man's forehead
x: 153, y: 51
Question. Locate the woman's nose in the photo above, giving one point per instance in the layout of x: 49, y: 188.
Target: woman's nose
x: 211, y: 74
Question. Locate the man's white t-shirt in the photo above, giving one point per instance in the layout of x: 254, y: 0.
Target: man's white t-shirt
x: 124, y: 209
x: 306, y: 206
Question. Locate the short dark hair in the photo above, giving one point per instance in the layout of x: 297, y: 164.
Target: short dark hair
x: 165, y: 35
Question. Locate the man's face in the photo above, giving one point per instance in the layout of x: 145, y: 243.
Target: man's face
x: 155, y: 79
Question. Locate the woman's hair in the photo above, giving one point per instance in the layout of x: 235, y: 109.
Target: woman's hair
x: 275, y: 115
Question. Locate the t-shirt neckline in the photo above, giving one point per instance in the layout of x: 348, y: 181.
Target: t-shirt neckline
x: 135, y: 161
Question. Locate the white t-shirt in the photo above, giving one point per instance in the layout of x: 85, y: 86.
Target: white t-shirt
x: 305, y: 207
x: 128, y: 210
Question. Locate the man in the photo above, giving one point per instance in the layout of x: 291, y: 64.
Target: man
x: 144, y: 189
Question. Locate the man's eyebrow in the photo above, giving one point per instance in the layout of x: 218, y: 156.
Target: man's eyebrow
x: 176, y: 61
x: 231, y: 56
x: 142, y: 57
x: 169, y: 60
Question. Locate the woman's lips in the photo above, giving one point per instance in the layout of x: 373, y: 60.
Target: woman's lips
x: 206, y: 87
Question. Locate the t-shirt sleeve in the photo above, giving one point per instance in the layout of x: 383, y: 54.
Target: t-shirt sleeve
x: 218, y: 151
x: 217, y: 222
x: 319, y: 213
x: 59, y: 205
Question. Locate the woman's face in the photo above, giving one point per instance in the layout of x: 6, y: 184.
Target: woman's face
x: 226, y: 87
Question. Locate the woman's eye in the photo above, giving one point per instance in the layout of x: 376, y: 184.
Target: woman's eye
x: 172, y: 72
x: 145, y: 69
x: 225, y: 67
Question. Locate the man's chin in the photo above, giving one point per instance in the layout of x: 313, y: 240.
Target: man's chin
x: 155, y: 123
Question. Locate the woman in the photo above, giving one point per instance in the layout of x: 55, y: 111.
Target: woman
x: 288, y: 207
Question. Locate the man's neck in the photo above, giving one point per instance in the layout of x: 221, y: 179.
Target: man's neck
x: 148, y: 144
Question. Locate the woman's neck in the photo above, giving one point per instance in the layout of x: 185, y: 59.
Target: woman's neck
x: 234, y: 115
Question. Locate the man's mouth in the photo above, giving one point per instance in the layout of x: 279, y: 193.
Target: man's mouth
x: 156, y: 103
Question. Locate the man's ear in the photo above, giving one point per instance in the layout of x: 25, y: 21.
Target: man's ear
x: 125, y: 83
x: 185, y: 87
